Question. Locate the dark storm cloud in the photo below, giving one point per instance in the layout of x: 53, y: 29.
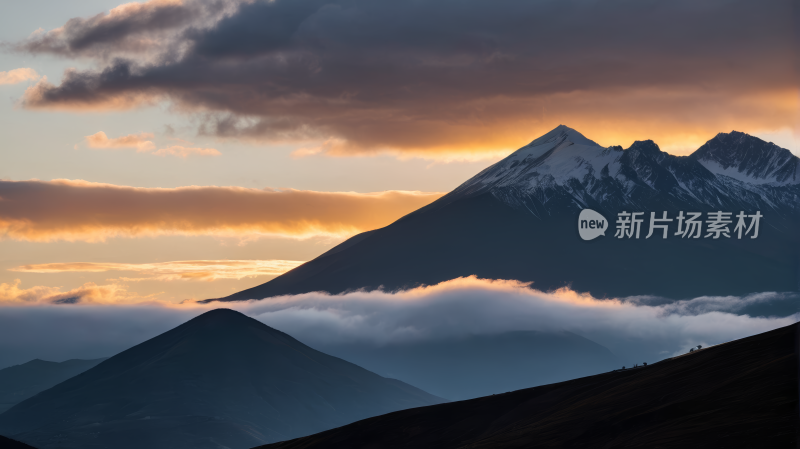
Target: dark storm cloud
x: 412, y: 74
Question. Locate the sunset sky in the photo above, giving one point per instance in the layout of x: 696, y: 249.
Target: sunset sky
x: 179, y: 149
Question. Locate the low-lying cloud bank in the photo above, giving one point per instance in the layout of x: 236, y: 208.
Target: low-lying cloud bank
x: 453, y: 309
x: 76, y: 210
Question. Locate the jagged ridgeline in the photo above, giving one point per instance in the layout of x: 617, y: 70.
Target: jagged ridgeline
x: 518, y: 219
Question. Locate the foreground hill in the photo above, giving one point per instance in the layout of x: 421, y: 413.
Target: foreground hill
x: 221, y: 380
x: 518, y: 219
x: 19, y: 382
x: 7, y: 443
x: 742, y: 394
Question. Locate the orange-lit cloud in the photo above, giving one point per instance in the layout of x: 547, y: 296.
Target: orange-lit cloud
x: 138, y: 141
x: 203, y: 270
x: 88, y: 293
x: 142, y: 145
x: 18, y: 76
x: 85, y: 211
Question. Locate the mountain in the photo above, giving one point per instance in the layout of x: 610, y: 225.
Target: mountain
x: 221, y: 380
x: 741, y: 394
x: 20, y: 382
x: 479, y: 365
x: 8, y: 443
x: 518, y: 219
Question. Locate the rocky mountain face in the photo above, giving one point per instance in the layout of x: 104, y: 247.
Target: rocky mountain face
x: 728, y: 216
x: 221, y: 380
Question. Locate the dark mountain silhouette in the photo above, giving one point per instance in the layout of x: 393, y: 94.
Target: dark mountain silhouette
x: 480, y: 365
x: 19, y: 382
x: 742, y: 394
x: 219, y: 380
x: 518, y: 219
x: 8, y: 443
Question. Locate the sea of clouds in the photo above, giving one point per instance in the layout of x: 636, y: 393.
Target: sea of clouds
x: 638, y: 328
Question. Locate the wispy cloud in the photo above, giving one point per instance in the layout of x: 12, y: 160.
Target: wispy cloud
x: 76, y: 210
x: 18, y: 76
x: 184, y: 152
x: 138, y: 141
x: 204, y: 270
x: 89, y: 293
x: 142, y: 144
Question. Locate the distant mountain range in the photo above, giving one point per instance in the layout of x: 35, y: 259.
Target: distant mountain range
x: 19, y: 382
x: 741, y: 394
x: 221, y: 380
x: 518, y: 219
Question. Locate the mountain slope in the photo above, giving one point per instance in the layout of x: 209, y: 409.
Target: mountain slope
x: 518, y: 220
x: 7, y: 443
x: 480, y: 365
x: 219, y: 380
x: 20, y: 382
x: 741, y: 157
x: 742, y: 394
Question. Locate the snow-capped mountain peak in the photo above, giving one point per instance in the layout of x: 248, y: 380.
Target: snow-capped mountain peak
x: 562, y: 132
x: 563, y: 171
x: 749, y: 159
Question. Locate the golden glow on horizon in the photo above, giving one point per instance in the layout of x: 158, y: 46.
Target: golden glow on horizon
x: 203, y: 270
x: 678, y: 120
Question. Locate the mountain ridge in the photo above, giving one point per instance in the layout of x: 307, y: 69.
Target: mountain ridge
x: 534, y: 196
x: 563, y: 171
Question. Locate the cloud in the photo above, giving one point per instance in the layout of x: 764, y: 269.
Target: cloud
x: 76, y: 210
x: 137, y: 141
x: 445, y: 79
x: 131, y: 28
x: 88, y: 293
x: 204, y: 270
x: 18, y: 76
x: 453, y: 309
x: 470, y: 306
x: 142, y: 145
x: 184, y: 152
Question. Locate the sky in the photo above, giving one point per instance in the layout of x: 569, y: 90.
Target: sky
x: 175, y: 150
